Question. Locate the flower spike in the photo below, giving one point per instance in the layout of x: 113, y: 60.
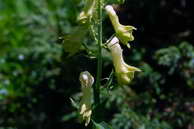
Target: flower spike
x: 124, y: 72
x: 124, y: 33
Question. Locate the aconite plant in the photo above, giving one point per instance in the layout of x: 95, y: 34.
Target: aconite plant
x: 90, y: 20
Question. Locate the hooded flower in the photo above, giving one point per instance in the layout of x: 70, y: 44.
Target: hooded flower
x: 86, y: 80
x: 86, y: 14
x: 124, y: 33
x: 124, y: 72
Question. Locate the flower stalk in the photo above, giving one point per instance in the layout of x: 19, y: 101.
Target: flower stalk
x: 99, y: 65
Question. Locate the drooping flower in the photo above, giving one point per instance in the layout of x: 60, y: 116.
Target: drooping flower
x: 123, y: 71
x: 123, y: 32
x: 87, y: 12
x: 87, y: 81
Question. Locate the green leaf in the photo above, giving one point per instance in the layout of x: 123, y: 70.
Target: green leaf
x: 69, y: 116
x: 101, y: 125
x: 110, y: 79
x: 74, y: 104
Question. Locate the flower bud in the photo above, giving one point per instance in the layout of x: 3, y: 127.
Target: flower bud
x: 87, y: 81
x: 124, y: 33
x: 87, y: 12
x: 124, y: 72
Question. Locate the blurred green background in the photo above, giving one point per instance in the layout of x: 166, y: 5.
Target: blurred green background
x: 37, y: 77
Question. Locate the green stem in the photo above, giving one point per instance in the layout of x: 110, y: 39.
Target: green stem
x: 99, y: 65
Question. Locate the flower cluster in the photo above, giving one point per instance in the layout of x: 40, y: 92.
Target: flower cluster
x: 124, y: 72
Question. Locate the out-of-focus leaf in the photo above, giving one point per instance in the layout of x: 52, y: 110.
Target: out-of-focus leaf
x: 69, y: 116
x: 116, y: 1
x: 72, y: 42
x: 101, y: 125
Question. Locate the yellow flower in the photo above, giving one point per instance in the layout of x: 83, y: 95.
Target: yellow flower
x: 87, y: 81
x: 87, y: 12
x: 124, y: 72
x: 124, y: 33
